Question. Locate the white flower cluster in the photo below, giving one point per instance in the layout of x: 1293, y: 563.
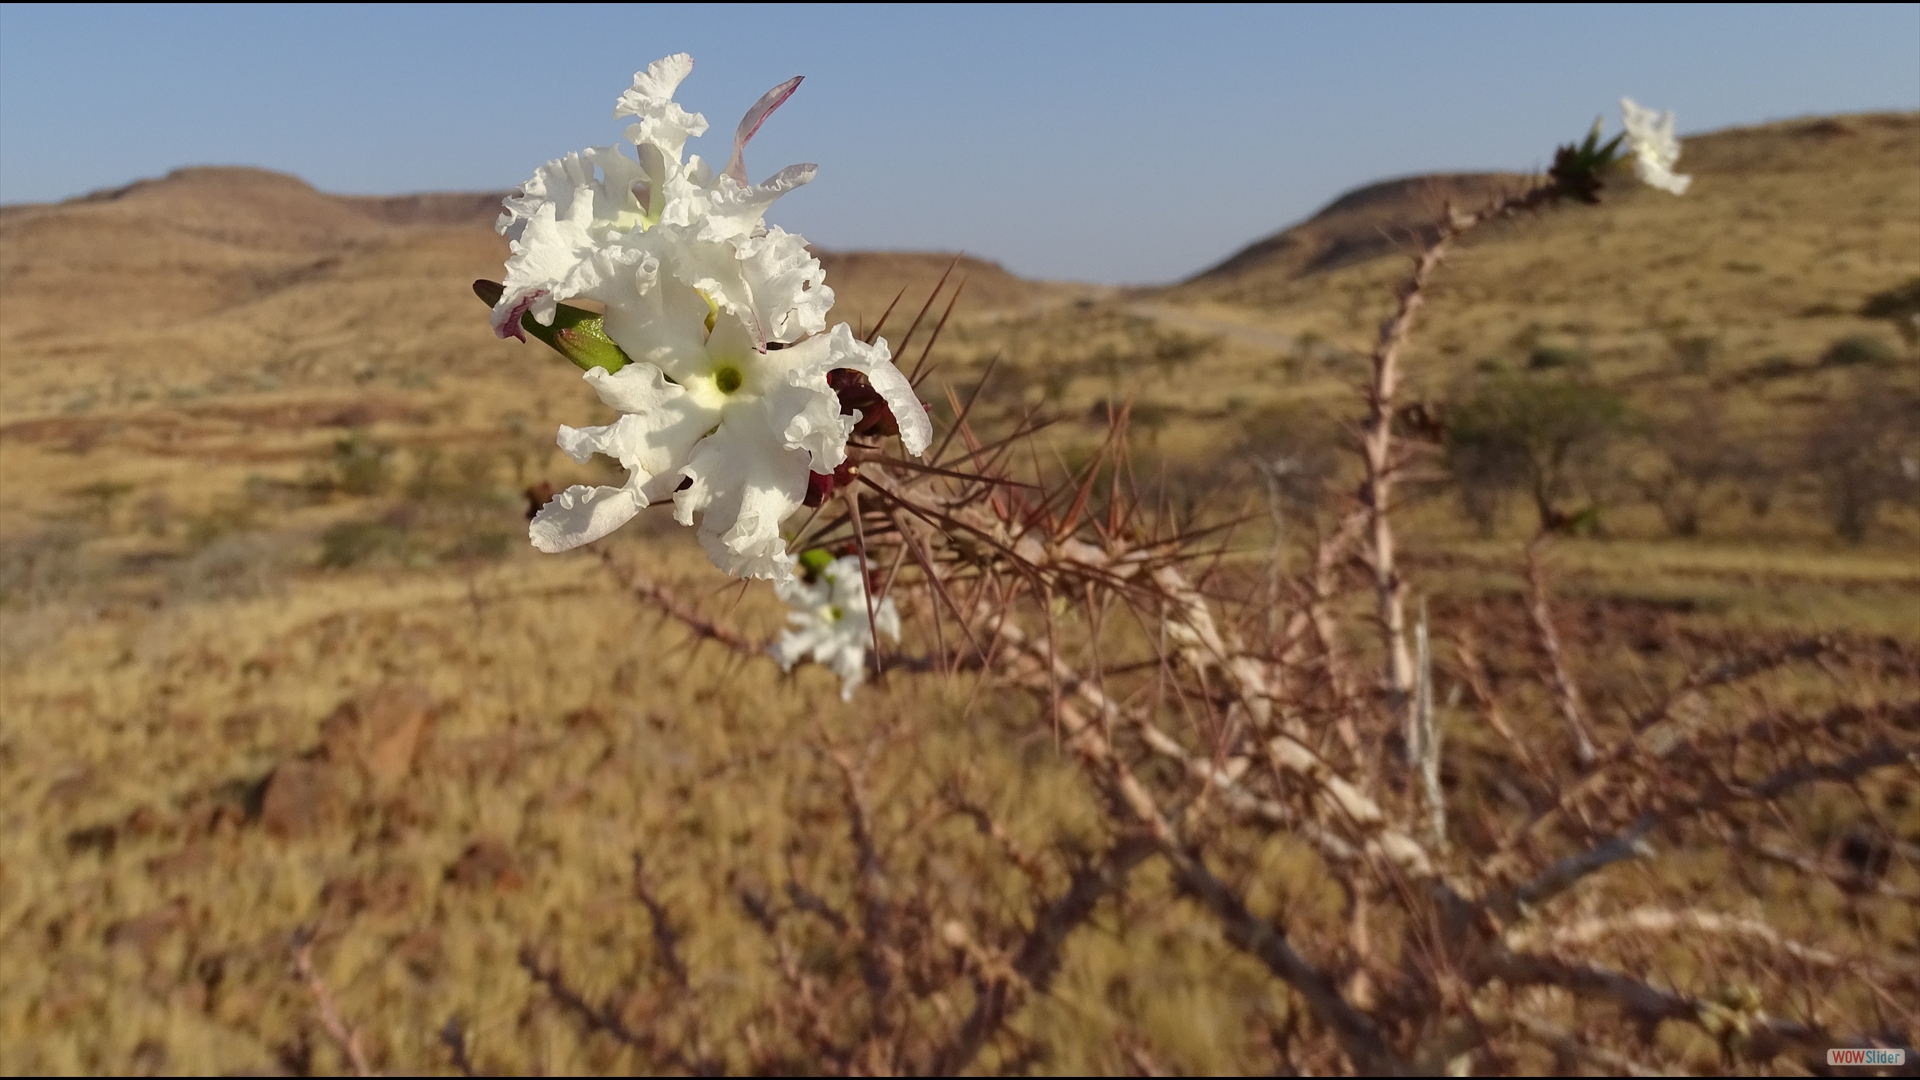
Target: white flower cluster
x: 829, y: 620
x: 726, y: 406
x: 1655, y: 147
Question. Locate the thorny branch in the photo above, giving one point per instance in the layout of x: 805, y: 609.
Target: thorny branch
x: 345, y: 1036
x: 1287, y: 747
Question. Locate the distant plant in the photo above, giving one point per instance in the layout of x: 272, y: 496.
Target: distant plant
x: 1697, y: 458
x: 1538, y: 436
x: 1900, y: 306
x: 1860, y: 350
x: 362, y: 466
x: 350, y: 543
x: 1863, y: 448
x: 1693, y: 354
x: 1558, y: 358
x: 1208, y: 722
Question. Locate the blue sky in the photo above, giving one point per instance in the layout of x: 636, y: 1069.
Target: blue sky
x: 1118, y: 144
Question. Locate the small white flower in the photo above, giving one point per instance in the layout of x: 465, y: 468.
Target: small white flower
x: 829, y: 617
x: 1655, y: 147
x: 726, y: 406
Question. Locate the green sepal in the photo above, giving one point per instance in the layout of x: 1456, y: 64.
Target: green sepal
x: 576, y: 333
x: 814, y: 561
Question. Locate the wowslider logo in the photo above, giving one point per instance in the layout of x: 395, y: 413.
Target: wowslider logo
x: 1867, y: 1056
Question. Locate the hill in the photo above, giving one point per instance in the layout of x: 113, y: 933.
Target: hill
x: 1362, y: 224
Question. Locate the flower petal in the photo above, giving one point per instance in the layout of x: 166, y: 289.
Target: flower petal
x: 744, y: 482
x: 660, y: 424
x: 663, y: 124
x: 750, y: 123
x: 843, y: 350
x: 806, y: 413
x: 654, y: 317
x: 581, y: 515
x: 558, y: 227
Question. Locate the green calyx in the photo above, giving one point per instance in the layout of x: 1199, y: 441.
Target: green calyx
x: 576, y: 333
x: 1578, y: 168
x: 814, y: 561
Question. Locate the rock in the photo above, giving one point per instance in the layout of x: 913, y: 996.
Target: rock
x: 301, y: 796
x: 380, y: 733
x: 144, y: 933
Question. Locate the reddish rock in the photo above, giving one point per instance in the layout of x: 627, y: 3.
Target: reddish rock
x: 381, y: 733
x: 301, y: 796
x: 144, y: 933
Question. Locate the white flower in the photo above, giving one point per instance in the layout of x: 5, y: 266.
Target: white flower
x: 1655, y: 148
x: 568, y: 223
x: 829, y: 617
x: 726, y: 405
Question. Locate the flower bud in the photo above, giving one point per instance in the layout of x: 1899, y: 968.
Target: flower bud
x: 576, y: 333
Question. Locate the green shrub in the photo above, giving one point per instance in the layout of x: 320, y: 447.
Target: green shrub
x: 1558, y: 358
x: 1694, y: 355
x: 350, y: 543
x: 1516, y: 433
x: 362, y: 466
x: 1859, y: 349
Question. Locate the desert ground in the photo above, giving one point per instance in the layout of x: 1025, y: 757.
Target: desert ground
x: 278, y: 668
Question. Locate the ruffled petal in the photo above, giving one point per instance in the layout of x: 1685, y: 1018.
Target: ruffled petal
x: 806, y: 413
x: 734, y: 209
x: 653, y: 316
x: 581, y: 515
x: 559, y: 226
x: 744, y: 483
x: 840, y: 349
x: 656, y: 434
x: 662, y: 123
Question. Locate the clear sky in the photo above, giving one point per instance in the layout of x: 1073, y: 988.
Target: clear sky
x: 1121, y: 144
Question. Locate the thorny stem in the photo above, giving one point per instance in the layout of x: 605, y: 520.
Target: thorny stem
x: 344, y: 1035
x: 1378, y: 449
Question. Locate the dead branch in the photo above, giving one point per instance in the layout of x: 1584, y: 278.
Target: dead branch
x: 1566, y: 693
x: 665, y: 938
x: 345, y: 1036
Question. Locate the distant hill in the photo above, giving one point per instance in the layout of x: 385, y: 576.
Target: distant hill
x: 1364, y: 223
x: 208, y: 269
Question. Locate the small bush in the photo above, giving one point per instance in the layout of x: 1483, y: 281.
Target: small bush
x: 1694, y: 355
x: 1558, y: 358
x: 362, y: 466
x: 1899, y: 305
x: 353, y: 542
x: 1857, y: 350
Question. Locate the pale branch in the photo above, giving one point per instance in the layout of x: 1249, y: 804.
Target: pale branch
x: 1566, y: 1043
x: 1659, y: 920
x: 1566, y: 692
x: 345, y: 1036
